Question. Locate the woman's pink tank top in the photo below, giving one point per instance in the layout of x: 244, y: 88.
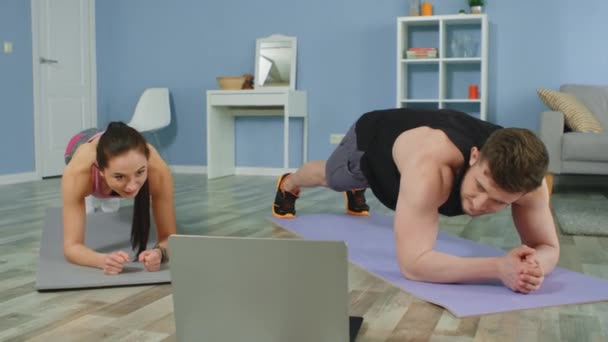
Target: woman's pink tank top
x: 97, y: 180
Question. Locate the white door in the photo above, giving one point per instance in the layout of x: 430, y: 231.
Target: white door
x: 64, y: 77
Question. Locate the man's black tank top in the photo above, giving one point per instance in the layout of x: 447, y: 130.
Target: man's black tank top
x: 377, y: 131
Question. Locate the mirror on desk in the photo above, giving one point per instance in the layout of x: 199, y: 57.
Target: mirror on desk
x: 275, y: 62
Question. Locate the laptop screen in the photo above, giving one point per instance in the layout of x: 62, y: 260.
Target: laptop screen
x: 258, y: 289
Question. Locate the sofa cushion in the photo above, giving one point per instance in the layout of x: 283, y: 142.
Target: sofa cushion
x: 585, y: 147
x: 594, y: 97
x: 578, y: 117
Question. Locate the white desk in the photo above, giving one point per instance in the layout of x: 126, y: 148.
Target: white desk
x: 224, y: 105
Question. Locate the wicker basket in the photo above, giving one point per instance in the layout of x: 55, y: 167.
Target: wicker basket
x: 230, y: 82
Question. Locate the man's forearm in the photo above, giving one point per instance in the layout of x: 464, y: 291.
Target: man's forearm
x: 548, y: 256
x: 439, y: 267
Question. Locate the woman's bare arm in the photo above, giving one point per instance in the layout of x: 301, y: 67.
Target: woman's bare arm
x: 75, y: 185
x: 161, y: 191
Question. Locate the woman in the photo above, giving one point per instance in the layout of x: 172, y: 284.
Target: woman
x: 116, y: 163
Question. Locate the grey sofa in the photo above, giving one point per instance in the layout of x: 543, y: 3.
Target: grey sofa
x: 576, y: 152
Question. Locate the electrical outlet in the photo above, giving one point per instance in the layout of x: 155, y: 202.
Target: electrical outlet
x: 335, y: 138
x: 8, y: 47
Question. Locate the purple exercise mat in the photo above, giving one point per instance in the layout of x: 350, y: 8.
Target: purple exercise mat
x: 371, y: 245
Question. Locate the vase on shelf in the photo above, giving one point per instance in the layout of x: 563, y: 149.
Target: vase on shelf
x: 427, y: 9
x: 476, y: 9
x: 476, y: 6
x: 414, y: 8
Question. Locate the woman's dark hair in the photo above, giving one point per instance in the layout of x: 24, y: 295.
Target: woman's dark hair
x: 116, y: 140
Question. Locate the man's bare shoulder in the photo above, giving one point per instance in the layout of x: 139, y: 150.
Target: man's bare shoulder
x: 536, y: 198
x: 428, y: 185
x: 427, y: 156
x: 425, y: 144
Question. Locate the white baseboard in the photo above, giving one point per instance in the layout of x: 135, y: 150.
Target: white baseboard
x: 187, y: 169
x: 239, y: 171
x: 192, y: 169
x: 261, y: 171
x: 18, y: 178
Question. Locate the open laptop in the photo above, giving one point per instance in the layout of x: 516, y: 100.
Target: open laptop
x: 260, y: 289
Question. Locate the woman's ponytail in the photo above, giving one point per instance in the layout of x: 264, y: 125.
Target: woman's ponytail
x: 140, y: 227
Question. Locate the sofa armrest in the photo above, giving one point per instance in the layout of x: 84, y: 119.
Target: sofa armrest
x: 551, y: 133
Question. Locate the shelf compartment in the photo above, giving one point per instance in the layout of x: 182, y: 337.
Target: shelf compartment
x: 416, y: 36
x: 421, y: 81
x: 443, y: 82
x: 458, y: 77
x: 462, y: 40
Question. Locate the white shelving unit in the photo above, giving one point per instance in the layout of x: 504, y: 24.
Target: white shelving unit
x: 443, y: 82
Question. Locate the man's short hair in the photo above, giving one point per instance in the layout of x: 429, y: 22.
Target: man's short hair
x: 517, y: 159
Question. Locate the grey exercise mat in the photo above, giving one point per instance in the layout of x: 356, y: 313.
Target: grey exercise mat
x: 578, y: 215
x: 105, y: 232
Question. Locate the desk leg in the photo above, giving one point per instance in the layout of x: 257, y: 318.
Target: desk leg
x: 286, y: 141
x: 220, y: 142
x: 304, y: 140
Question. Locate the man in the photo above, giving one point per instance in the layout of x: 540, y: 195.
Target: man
x: 422, y: 163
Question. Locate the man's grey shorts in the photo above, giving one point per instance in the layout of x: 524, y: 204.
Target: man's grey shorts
x: 343, y: 168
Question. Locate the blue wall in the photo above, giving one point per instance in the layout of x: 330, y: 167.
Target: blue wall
x: 16, y: 93
x: 542, y: 44
x: 346, y: 62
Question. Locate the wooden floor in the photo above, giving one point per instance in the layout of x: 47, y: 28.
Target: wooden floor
x: 238, y: 206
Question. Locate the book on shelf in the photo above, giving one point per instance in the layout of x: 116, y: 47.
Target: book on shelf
x: 421, y: 49
x: 421, y: 52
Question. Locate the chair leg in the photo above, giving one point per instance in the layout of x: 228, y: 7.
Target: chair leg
x: 157, y: 146
x: 549, y: 180
x: 157, y: 140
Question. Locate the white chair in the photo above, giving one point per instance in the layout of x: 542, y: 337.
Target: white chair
x: 152, y: 111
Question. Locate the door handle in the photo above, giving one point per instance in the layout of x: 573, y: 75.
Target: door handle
x: 48, y: 61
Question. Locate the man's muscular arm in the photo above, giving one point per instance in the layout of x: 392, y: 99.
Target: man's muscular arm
x: 426, y: 182
x: 416, y: 228
x: 535, y: 225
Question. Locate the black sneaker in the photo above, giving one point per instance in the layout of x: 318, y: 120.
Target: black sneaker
x: 284, y: 205
x: 355, y: 203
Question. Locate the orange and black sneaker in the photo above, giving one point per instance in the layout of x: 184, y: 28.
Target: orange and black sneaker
x: 355, y: 203
x: 284, y: 205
